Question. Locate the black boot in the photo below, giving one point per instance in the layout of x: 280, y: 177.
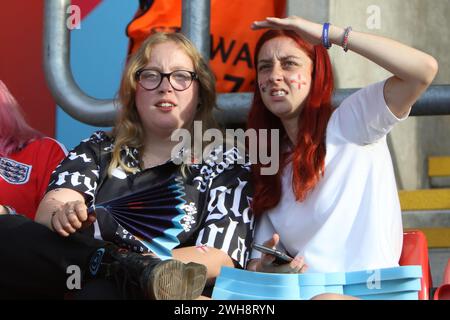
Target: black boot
x: 148, y: 277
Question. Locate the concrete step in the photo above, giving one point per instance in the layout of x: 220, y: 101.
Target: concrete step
x: 425, y: 199
x: 429, y: 211
x: 439, y: 172
x: 438, y: 166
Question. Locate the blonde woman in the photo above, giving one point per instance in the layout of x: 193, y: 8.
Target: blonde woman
x: 165, y: 86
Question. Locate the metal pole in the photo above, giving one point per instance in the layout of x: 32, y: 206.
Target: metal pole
x: 196, y: 24
x: 58, y: 73
x: 434, y: 102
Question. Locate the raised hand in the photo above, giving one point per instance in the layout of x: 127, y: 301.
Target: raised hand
x: 310, y: 31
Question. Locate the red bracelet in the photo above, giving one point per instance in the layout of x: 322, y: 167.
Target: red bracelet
x: 345, y: 39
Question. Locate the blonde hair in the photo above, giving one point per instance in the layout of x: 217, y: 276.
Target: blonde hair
x: 129, y: 131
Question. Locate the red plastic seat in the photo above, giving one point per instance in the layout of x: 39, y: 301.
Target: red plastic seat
x: 415, y: 252
x: 443, y: 292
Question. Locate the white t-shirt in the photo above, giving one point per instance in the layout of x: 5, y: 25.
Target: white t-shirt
x: 352, y: 219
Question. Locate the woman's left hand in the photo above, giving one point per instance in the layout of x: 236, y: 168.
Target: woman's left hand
x: 297, y: 265
x: 265, y: 263
x: 310, y: 31
x: 3, y: 210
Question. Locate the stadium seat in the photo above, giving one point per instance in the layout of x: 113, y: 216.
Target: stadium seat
x: 415, y: 252
x: 443, y: 292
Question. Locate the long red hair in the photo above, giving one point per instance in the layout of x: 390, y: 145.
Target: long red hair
x: 308, y: 156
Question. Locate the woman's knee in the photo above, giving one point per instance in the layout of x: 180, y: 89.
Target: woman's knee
x: 333, y: 296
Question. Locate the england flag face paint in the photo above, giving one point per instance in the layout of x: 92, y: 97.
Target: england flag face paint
x: 263, y: 86
x: 296, y: 81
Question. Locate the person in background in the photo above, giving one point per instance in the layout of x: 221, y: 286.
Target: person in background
x: 27, y: 159
x: 334, y: 203
x: 232, y: 42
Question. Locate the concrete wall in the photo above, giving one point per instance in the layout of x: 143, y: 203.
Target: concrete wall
x: 420, y: 23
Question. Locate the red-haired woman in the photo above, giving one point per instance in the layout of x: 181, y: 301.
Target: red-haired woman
x: 333, y: 204
x: 27, y: 159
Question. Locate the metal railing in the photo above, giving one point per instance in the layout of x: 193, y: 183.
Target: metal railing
x: 195, y: 24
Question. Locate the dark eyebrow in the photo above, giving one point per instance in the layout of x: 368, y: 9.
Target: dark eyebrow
x: 281, y: 58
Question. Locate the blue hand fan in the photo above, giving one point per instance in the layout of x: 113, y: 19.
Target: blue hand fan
x: 152, y: 215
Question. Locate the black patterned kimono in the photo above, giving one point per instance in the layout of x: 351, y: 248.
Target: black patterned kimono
x: 214, y: 197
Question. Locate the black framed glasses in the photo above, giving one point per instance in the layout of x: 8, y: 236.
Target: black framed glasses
x: 180, y: 80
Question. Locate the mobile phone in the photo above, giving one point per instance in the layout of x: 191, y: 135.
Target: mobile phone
x: 280, y: 257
